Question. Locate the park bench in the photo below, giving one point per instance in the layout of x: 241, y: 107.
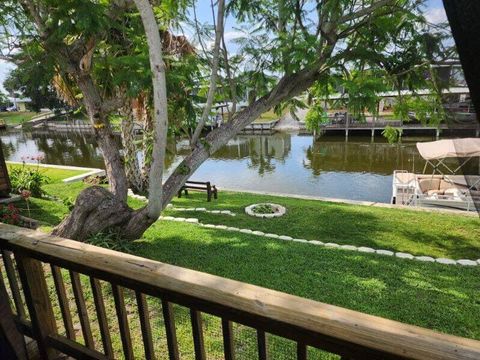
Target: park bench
x: 200, y: 186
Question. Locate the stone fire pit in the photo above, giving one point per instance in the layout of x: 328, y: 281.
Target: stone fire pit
x: 265, y: 210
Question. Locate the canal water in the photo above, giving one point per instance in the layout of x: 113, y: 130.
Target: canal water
x: 357, y: 169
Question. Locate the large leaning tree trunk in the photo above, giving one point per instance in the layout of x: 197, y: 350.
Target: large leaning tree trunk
x: 98, y: 209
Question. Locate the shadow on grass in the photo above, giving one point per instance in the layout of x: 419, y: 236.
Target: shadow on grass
x: 443, y: 298
x: 47, y: 212
x: 419, y: 233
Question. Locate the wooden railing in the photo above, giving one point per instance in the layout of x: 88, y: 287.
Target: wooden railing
x: 45, y: 265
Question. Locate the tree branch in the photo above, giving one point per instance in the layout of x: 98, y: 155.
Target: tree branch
x: 213, y: 78
x: 365, y: 11
x: 157, y: 65
x: 289, y: 86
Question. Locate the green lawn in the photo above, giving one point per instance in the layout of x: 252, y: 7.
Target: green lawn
x: 267, y: 117
x: 56, y: 175
x: 440, y: 297
x: 419, y: 233
x: 15, y: 118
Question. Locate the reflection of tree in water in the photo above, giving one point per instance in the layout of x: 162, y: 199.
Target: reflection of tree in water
x: 352, y: 156
x: 261, y: 155
x: 69, y: 148
x: 8, y: 148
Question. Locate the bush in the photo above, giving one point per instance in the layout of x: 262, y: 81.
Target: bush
x: 27, y: 178
x: 9, y: 214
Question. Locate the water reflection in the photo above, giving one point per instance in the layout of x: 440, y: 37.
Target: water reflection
x: 68, y: 148
x: 288, y: 163
x: 360, y: 155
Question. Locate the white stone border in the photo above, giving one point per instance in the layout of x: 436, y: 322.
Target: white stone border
x: 280, y: 211
x: 88, y: 171
x: 170, y: 206
x: 363, y: 249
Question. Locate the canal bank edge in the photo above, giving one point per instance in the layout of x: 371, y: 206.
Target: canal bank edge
x: 88, y: 171
x: 354, y: 202
x: 101, y: 172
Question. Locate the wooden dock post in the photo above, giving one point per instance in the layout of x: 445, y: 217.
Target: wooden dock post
x: 347, y: 120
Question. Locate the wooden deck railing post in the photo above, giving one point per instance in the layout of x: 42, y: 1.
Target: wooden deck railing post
x: 38, y: 302
x: 309, y: 324
x: 12, y: 343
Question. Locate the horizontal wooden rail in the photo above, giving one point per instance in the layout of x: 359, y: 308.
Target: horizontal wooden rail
x: 341, y: 331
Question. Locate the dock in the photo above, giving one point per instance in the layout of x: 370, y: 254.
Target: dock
x: 407, y: 128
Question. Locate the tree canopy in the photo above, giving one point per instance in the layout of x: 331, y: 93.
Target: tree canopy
x: 99, y: 56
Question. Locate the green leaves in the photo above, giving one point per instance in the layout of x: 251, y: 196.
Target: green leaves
x: 393, y: 135
x: 316, y: 116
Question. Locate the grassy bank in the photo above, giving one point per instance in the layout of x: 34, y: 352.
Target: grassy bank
x: 419, y: 233
x: 16, y: 118
x: 440, y: 297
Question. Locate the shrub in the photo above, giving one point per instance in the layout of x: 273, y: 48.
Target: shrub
x: 28, y: 178
x: 9, y: 214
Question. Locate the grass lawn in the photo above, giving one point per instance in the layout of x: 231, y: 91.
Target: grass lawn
x: 419, y: 233
x: 15, y: 118
x: 267, y: 117
x: 440, y: 297
x: 56, y: 175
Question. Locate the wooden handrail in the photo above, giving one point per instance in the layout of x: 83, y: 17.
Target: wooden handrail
x: 331, y: 328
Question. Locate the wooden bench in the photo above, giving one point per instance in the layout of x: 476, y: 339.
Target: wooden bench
x: 200, y: 186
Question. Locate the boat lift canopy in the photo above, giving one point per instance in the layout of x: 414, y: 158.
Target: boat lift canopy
x: 435, y: 153
x: 451, y: 148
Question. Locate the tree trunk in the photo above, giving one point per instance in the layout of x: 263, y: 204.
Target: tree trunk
x: 213, y: 76
x: 96, y: 209
x: 137, y: 181
x: 104, y: 136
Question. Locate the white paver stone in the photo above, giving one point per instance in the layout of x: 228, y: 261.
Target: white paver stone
x: 285, y: 237
x: 446, y: 261
x: 366, y: 249
x: 466, y: 262
x: 425, y: 258
x: 385, y: 252
x: 273, y: 236
x: 332, y: 245
x: 402, y: 255
x: 349, y: 247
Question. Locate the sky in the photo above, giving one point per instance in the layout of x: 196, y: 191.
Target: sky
x: 435, y: 13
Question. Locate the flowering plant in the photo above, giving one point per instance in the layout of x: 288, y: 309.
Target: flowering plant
x: 9, y: 214
x: 29, y: 179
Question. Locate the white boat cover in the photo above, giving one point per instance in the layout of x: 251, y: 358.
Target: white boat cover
x: 451, y: 148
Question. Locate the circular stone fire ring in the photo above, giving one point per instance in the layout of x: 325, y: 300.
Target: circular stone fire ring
x: 278, y: 210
